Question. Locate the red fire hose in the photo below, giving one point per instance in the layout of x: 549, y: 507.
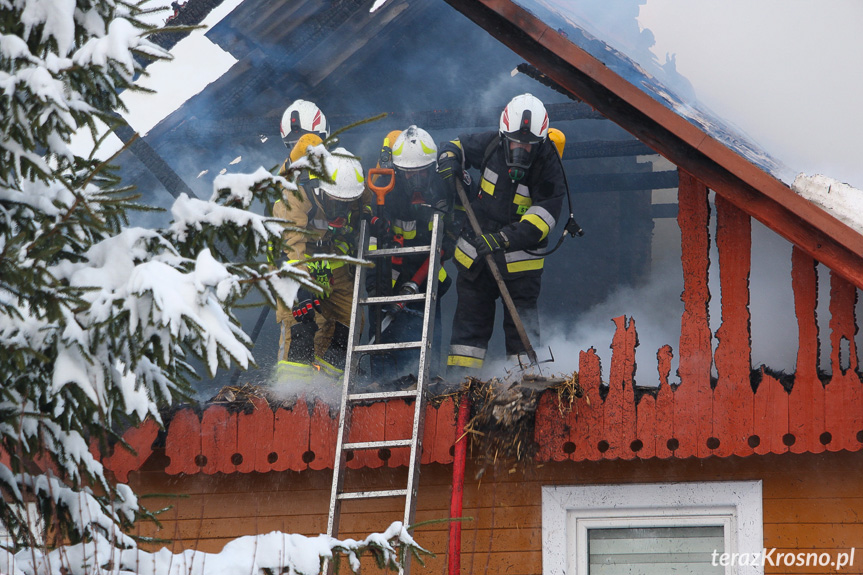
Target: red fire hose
x: 455, y: 507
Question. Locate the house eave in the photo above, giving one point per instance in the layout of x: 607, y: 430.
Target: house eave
x: 749, y: 187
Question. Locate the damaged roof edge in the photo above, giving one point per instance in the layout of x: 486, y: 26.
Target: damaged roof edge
x: 746, y: 185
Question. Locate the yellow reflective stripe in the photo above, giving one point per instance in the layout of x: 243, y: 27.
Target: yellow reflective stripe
x: 463, y: 361
x: 522, y: 200
x: 487, y: 187
x: 538, y: 222
x: 463, y: 258
x: 441, y: 275
x: 525, y: 265
x: 406, y: 234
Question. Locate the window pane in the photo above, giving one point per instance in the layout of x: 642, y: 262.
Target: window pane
x: 655, y: 550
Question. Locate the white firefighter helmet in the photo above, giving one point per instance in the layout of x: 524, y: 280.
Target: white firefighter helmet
x: 523, y: 128
x: 524, y: 120
x: 414, y: 149
x: 346, y: 173
x: 303, y: 117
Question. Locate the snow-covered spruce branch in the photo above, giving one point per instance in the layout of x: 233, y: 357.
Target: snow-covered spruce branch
x: 274, y: 552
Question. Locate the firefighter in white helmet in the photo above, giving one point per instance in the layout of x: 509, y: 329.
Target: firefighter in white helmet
x: 518, y: 202
x: 407, y: 219
x: 303, y: 117
x: 314, y: 333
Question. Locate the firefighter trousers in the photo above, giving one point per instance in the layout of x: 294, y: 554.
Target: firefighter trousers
x: 473, y: 324
x: 333, y: 321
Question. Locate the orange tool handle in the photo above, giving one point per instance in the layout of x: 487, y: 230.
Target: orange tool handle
x: 381, y: 191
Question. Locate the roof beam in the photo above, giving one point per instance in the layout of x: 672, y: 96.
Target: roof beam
x: 747, y: 186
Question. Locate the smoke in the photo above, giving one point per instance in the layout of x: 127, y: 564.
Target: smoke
x: 321, y: 386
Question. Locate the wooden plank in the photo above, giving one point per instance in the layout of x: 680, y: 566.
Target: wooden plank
x: 732, y: 397
x: 664, y: 405
x: 550, y: 431
x: 619, y: 415
x: 806, y: 401
x: 770, y: 416
x: 399, y: 425
x: 367, y: 424
x: 183, y: 443
x: 813, y: 535
x: 586, y: 422
x: 644, y: 446
x: 843, y: 410
x: 140, y: 440
x: 693, y: 398
x: 322, y: 440
x: 219, y: 440
x: 814, y: 510
x: 255, y: 438
x: 445, y: 431
x: 291, y: 436
x: 429, y: 432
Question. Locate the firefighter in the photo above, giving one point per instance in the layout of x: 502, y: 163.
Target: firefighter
x: 517, y: 204
x: 407, y: 220
x: 314, y: 333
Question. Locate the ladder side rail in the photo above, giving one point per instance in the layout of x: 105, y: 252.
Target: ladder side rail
x: 351, y: 365
x: 423, y: 375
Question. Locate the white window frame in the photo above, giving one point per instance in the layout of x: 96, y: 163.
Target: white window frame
x: 569, y: 511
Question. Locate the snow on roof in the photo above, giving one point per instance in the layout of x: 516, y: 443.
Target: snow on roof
x: 843, y: 201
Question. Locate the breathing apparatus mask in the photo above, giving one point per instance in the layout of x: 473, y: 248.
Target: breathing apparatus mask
x: 520, y: 150
x: 338, y: 212
x: 419, y: 186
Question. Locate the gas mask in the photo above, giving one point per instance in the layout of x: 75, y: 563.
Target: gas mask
x: 519, y: 155
x: 419, y: 188
x: 338, y: 211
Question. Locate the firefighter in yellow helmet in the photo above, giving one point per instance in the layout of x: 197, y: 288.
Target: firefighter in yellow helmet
x: 418, y: 194
x: 314, y: 333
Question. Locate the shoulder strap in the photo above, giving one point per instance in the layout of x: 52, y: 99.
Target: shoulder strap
x: 489, y: 150
x: 310, y: 195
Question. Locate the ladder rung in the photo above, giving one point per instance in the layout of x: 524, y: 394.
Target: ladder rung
x: 377, y: 444
x: 392, y: 299
x: 397, y: 251
x: 389, y: 346
x: 373, y: 494
x: 355, y: 397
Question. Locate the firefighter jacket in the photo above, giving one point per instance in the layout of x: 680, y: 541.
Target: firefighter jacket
x: 411, y: 225
x: 525, y: 211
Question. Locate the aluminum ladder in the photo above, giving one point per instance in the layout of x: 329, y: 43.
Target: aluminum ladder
x: 350, y: 397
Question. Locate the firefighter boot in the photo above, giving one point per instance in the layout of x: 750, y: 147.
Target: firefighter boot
x: 301, y: 354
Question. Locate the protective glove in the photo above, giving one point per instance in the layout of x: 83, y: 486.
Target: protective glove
x: 380, y: 228
x: 490, y: 243
x: 306, y: 305
x: 323, y: 274
x: 449, y: 167
x: 409, y: 288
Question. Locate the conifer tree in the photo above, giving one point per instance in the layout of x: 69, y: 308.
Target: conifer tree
x: 99, y: 321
